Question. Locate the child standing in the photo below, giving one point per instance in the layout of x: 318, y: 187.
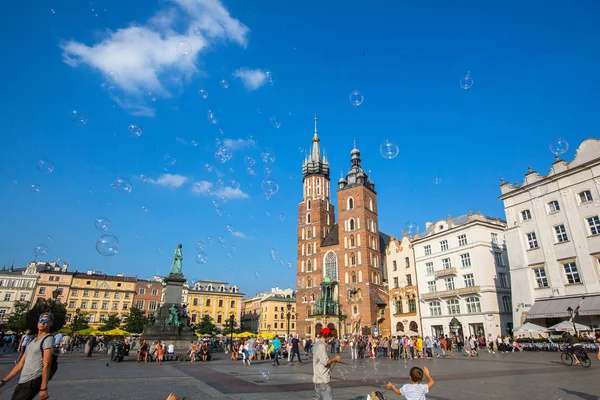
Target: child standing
x: 415, y: 390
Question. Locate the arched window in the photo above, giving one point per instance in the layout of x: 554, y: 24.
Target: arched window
x: 350, y: 203
x: 308, y: 266
x: 304, y: 299
x: 309, y: 283
x: 351, y: 224
x: 413, y: 326
x: 312, y: 297
x: 370, y: 204
x: 353, y: 277
x: 473, y: 305
x: 308, y: 233
x: 309, y: 249
x: 354, y: 310
x: 352, y: 243
x: 352, y: 260
x: 308, y: 205
x: 308, y: 218
x: 399, y: 327
x: 331, y: 266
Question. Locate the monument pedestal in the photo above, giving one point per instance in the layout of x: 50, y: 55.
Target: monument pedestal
x: 163, y: 328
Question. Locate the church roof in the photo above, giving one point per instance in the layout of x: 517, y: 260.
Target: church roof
x: 332, y: 237
x: 380, y: 302
x: 384, y: 240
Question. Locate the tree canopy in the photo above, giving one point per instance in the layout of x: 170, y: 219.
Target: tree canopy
x: 205, y: 325
x: 136, y: 320
x: 113, y: 321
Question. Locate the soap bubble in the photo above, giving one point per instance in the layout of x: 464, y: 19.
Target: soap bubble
x: 559, y: 146
x: 257, y: 275
x: 34, y: 188
x: 219, y: 212
x: 184, y: 47
x: 264, y: 374
x: 193, y: 143
x: 275, y: 123
x: 212, y: 118
x: 437, y: 181
x: 273, y: 254
x: 197, y: 31
x: 208, y: 167
x: 267, y: 171
x: 113, y: 76
x: 45, y: 166
x: 229, y: 228
x: 200, y: 245
x: 134, y: 130
x: 201, y: 257
x: 281, y: 217
x: 270, y: 78
x: 250, y: 171
x: 41, y: 250
x: 102, y: 223
x: 210, y: 239
x: 270, y: 186
x: 78, y: 116
x: 410, y: 228
x: 122, y: 185
x: 221, y: 239
x: 466, y: 81
x: 251, y: 139
x: 223, y: 154
x: 144, y: 209
x: 229, y: 255
x: 290, y: 265
x: 151, y: 97
x: 107, y: 245
x: 267, y: 157
x: 203, y: 94
x: 169, y: 160
x: 136, y: 236
x: 388, y: 149
x: 224, y: 84
x: 356, y: 98
x: 249, y: 161
x: 234, y: 184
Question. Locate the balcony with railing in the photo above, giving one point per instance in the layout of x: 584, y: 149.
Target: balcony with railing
x: 451, y: 293
x: 322, y: 308
x: 445, y: 272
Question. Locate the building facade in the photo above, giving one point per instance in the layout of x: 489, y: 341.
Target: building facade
x: 252, y: 319
x: 51, y: 278
x: 278, y: 314
x: 216, y: 299
x: 100, y: 295
x: 401, y: 275
x: 17, y: 284
x: 463, y: 277
x: 340, y: 263
x: 148, y: 295
x: 553, y: 240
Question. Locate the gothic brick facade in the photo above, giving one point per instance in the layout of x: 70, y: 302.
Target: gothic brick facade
x: 340, y: 262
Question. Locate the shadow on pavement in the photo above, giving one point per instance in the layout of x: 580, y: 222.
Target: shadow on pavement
x: 581, y: 395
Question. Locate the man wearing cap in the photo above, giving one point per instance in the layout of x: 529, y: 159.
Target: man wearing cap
x: 322, y: 366
x: 34, y: 366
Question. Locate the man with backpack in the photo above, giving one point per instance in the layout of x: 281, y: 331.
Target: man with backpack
x: 37, y: 365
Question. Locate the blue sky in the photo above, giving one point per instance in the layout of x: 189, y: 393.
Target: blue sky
x: 534, y: 65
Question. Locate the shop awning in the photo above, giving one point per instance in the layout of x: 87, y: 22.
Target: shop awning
x: 590, y: 306
x: 553, y: 308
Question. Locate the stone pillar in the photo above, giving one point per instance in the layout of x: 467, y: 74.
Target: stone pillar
x: 174, y: 289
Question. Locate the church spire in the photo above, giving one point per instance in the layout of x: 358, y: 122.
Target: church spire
x: 316, y: 163
x: 316, y: 153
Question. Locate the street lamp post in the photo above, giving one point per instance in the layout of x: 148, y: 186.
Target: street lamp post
x: 55, y: 294
x: 289, y: 316
x: 231, y: 321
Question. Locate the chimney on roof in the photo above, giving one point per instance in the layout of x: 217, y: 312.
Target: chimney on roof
x: 90, y: 272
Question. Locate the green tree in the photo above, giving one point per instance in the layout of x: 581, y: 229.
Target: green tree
x: 46, y: 305
x: 113, y: 321
x: 79, y: 321
x: 17, y: 320
x: 228, y: 327
x: 136, y: 320
x: 205, y: 325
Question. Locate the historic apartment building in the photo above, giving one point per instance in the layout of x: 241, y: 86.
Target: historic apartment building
x: 17, y: 284
x: 463, y: 277
x: 278, y: 314
x: 340, y: 262
x: 216, y: 299
x: 148, y: 295
x: 553, y: 237
x: 402, y: 282
x: 53, y: 280
x: 100, y: 295
x: 251, y: 310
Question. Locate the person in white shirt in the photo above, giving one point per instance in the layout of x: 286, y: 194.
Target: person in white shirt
x: 415, y: 390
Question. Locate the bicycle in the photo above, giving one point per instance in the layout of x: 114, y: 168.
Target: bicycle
x: 581, y: 354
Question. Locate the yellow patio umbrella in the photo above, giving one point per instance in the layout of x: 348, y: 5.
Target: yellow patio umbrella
x: 86, y: 331
x: 267, y: 335
x: 115, y: 332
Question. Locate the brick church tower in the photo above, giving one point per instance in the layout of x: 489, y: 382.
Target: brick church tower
x: 340, y: 265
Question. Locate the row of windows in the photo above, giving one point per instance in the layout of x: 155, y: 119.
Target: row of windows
x: 92, y: 318
x: 350, y: 204
x: 42, y: 290
x: 154, y: 292
x: 152, y: 305
x: 8, y: 297
x: 207, y: 302
x: 399, y: 307
x: 473, y: 305
x: 406, y: 263
x: 309, y: 219
x: 408, y: 281
x: 583, y: 197
x: 317, y: 187
x: 570, y: 272
x: 86, y: 293
x: 280, y: 325
x: 560, y: 233
x: 469, y: 281
x: 17, y: 283
x: 104, y: 306
x: 462, y: 241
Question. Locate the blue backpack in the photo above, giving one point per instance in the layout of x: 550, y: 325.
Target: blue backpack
x: 54, y: 365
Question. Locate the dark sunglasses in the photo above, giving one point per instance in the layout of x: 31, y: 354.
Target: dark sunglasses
x: 43, y: 321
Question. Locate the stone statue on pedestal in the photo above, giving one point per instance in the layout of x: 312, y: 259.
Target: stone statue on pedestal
x: 173, y: 319
x: 177, y: 262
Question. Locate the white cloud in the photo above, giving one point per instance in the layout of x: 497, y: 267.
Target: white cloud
x: 206, y: 188
x: 238, y: 234
x: 170, y: 180
x: 251, y: 78
x: 147, y: 57
x: 236, y: 144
